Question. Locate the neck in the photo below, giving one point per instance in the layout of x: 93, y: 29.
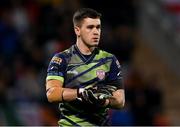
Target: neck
x: 84, y: 49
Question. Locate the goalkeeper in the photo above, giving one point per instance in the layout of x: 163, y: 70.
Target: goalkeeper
x: 85, y: 80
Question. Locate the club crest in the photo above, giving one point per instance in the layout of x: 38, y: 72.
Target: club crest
x: 100, y: 74
x: 56, y: 60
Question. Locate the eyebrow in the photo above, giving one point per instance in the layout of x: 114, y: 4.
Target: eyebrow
x: 94, y: 25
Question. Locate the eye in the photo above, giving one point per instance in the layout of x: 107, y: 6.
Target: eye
x: 98, y: 27
x: 90, y: 27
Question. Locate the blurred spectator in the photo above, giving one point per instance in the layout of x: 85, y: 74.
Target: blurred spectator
x: 19, y: 17
x: 9, y: 37
x: 123, y: 39
x: 31, y: 31
x: 145, y: 99
x: 122, y: 117
x: 173, y: 8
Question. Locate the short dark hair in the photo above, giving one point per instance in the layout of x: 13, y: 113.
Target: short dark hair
x: 82, y: 13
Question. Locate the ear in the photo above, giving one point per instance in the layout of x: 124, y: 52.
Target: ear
x: 77, y: 30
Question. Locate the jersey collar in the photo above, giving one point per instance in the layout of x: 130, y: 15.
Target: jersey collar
x: 83, y: 58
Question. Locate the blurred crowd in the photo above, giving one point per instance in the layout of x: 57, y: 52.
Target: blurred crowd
x: 31, y: 31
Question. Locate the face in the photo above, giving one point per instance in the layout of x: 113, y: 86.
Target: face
x: 89, y: 32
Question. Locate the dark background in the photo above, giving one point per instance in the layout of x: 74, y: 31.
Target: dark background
x: 31, y: 31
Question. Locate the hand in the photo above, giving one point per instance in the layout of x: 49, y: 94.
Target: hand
x: 90, y: 96
x: 96, y: 95
x: 105, y: 91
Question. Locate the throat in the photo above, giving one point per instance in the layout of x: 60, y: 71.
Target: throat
x: 87, y: 56
x: 84, y: 49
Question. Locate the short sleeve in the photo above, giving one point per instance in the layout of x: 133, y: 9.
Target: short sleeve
x: 115, y: 74
x: 56, y: 68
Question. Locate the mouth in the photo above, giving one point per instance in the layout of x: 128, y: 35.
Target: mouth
x: 95, y: 39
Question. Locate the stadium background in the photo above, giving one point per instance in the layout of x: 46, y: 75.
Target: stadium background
x: 143, y: 34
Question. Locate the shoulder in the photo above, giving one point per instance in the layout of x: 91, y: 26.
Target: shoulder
x: 108, y: 55
x: 104, y: 53
x: 63, y: 55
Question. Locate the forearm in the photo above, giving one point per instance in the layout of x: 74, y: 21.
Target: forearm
x: 69, y: 94
x: 117, y: 101
x: 56, y: 93
x: 61, y: 94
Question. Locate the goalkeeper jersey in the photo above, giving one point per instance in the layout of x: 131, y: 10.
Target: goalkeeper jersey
x: 76, y: 70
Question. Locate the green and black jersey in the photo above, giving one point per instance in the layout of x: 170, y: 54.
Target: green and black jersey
x: 76, y: 70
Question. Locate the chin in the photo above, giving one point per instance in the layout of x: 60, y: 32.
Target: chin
x: 92, y: 44
x: 95, y: 45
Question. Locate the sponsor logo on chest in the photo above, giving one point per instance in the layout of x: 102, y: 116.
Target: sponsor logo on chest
x: 73, y: 72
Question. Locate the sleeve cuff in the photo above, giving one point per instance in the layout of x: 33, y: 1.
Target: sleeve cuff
x: 55, y: 77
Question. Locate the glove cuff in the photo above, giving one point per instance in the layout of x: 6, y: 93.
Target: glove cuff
x: 79, y: 92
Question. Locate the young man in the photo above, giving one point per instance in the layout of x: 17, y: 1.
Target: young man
x: 85, y: 80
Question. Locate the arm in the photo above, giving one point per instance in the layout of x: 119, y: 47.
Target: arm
x: 56, y: 93
x: 114, y: 96
x: 117, y: 101
x: 54, y: 81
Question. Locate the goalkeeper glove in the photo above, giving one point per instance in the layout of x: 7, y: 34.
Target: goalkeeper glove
x: 105, y: 91
x: 90, y: 96
x: 96, y: 96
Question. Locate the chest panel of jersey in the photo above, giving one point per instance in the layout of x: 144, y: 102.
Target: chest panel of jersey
x: 79, y: 72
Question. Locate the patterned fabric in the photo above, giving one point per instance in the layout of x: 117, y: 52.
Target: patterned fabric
x: 78, y: 71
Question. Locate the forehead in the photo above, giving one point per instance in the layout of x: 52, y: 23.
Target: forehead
x: 91, y: 21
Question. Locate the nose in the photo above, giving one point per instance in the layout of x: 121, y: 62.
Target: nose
x: 96, y: 31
